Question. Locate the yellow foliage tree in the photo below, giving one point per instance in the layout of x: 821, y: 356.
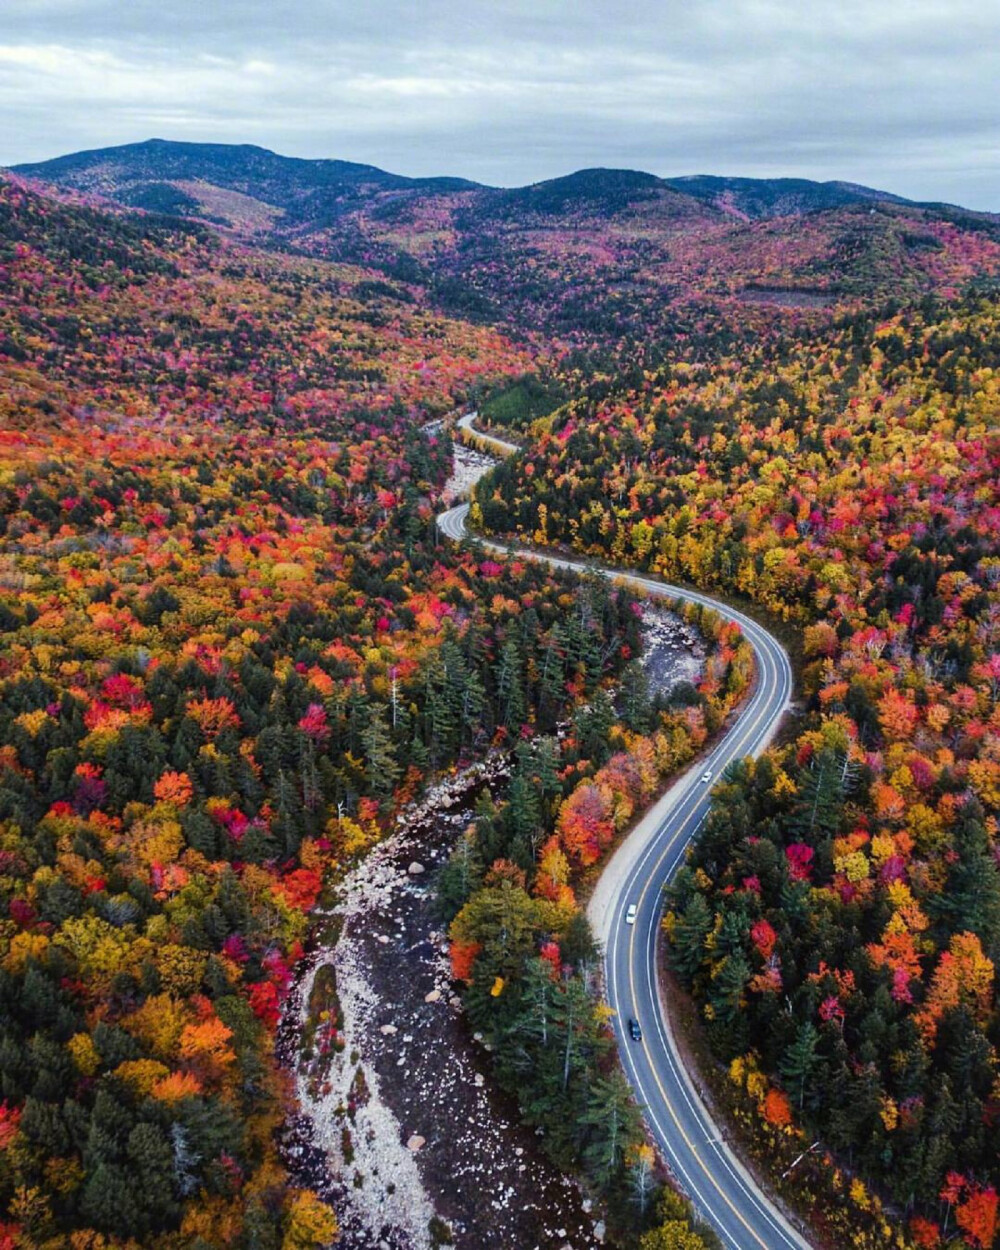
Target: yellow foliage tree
x: 181, y: 969
x: 84, y: 1054
x: 141, y: 1074
x: 158, y: 1023
x: 24, y: 946
x: 309, y: 1223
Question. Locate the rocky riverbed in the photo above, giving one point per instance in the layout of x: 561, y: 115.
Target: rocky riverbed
x: 468, y: 466
x: 672, y: 652
x: 418, y: 1147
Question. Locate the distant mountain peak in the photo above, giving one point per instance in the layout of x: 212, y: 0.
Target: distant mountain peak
x: 602, y: 175
x: 214, y: 158
x: 596, y: 190
x: 157, y: 172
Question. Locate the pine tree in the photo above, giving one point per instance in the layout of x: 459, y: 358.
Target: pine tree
x: 459, y: 877
x: 545, y: 761
x: 593, y: 725
x: 821, y: 792
x: 729, y: 980
x: 799, y: 1062
x: 613, y: 1119
x: 473, y: 705
x: 523, y: 812
x: 308, y: 774
x: 510, y: 685
x: 970, y: 898
x: 151, y: 1163
x: 572, y: 1018
x: 440, y: 713
x: 381, y: 768
x: 687, y: 945
x: 637, y: 710
x: 287, y: 822
x: 552, y: 677
x: 109, y: 1201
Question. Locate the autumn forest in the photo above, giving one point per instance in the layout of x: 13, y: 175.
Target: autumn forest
x: 237, y: 651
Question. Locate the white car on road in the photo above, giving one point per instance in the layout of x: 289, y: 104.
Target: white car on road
x: 706, y: 777
x: 630, y: 913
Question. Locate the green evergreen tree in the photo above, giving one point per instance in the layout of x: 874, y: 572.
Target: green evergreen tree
x: 460, y: 876
x: 613, y: 1120
x: 800, y: 1062
x: 510, y: 685
x: 729, y: 981
x: 637, y: 709
x: 381, y: 769
x: 970, y: 899
x: 687, y: 945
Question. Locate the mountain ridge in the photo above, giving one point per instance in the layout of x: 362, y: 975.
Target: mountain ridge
x: 292, y: 177
x: 179, y: 150
x: 598, y: 253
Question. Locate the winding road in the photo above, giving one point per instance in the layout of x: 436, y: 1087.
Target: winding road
x: 723, y: 1191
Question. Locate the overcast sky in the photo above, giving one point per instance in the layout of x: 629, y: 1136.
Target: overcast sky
x: 899, y: 94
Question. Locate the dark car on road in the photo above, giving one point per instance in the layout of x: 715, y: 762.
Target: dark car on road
x: 634, y: 1032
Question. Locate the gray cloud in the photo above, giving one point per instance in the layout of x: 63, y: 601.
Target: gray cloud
x: 900, y: 94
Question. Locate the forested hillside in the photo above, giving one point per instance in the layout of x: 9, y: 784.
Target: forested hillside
x: 592, y: 258
x: 230, y: 645
x: 596, y: 262
x: 839, y: 920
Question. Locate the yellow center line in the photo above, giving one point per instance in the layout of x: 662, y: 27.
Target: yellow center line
x: 649, y: 1058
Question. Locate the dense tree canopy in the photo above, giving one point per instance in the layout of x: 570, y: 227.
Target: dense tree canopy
x: 231, y: 645
x: 840, y: 915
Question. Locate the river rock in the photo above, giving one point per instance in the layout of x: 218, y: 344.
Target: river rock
x: 415, y: 1143
x: 432, y: 997
x: 416, y: 868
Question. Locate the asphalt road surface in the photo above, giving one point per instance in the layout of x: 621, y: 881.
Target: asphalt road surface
x: 724, y: 1193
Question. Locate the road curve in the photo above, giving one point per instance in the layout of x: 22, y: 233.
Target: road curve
x: 723, y: 1192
